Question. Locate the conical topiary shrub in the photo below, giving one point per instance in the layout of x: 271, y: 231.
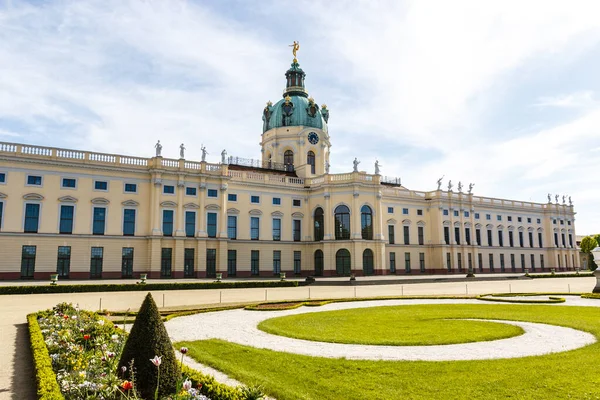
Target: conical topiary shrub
x: 148, y: 338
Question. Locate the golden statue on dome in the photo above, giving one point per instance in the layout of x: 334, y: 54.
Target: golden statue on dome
x: 295, y: 47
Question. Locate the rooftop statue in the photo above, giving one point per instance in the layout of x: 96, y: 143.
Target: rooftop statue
x: 549, y: 198
x: 355, y: 162
x: 181, y: 151
x: 570, y: 201
x: 158, y: 148
x: 439, y: 182
x: 460, y: 186
x: 377, y: 165
x: 556, y: 198
x: 295, y: 47
x: 223, y: 156
x: 471, y: 187
x: 450, y: 185
x: 204, y: 152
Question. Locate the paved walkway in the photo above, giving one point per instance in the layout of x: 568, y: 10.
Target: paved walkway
x: 16, y: 376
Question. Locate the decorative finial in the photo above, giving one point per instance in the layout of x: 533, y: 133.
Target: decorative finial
x: 288, y: 99
x: 269, y: 104
x: 311, y: 100
x: 324, y: 106
x: 295, y: 47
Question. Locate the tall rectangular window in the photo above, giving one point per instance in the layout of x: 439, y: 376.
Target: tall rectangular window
x: 276, y: 261
x: 522, y: 262
x: 459, y: 261
x: 392, y: 262
x: 211, y: 224
x: 489, y: 235
x: 128, y: 222
x: 447, y: 235
x: 211, y: 263
x: 297, y: 230
x: 99, y: 222
x: 167, y: 223
x: 66, y: 219
x: 190, y: 223
x: 254, y: 228
x: 407, y: 262
x: 254, y: 262
x: 231, y: 262
x: 541, y: 244
x: 542, y: 261
x: 63, y: 263
x: 406, y: 234
x: 521, y: 240
x: 511, y: 241
x: 28, y: 261
x: 530, y: 239
x: 276, y: 229
x: 502, y: 267
x: 1, y: 211
x: 532, y: 262
x: 421, y: 235
x: 297, y: 262
x: 558, y: 257
x: 478, y: 236
x: 555, y: 239
x: 232, y: 227
x: 189, y: 257
x: 468, y: 236
x: 448, y: 261
x: 32, y: 217
x: 570, y: 234
x: 480, y: 261
x: 96, y: 262
x: 127, y: 262
x: 564, y: 242
x: 491, y: 262
x: 166, y: 262
x: 513, y: 267
x: 422, y: 262
x: 470, y: 262
x: 391, y: 236
x: 457, y: 235
x: 500, y: 238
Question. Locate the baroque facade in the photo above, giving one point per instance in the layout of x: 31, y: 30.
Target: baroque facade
x: 83, y: 214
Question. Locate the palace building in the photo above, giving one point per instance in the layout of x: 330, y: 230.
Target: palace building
x: 83, y: 214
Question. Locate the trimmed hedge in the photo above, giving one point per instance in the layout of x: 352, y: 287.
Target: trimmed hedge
x: 590, y: 296
x: 210, y: 387
x: 580, y: 275
x: 47, y: 386
x: 132, y: 287
x: 493, y: 297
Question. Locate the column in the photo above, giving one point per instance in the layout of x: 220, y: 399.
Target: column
x: 180, y: 217
x: 201, y: 211
x: 355, y: 216
x: 155, y: 217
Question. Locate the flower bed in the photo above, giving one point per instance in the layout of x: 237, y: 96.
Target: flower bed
x: 76, y: 354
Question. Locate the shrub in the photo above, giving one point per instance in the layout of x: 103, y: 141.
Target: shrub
x: 148, y: 338
x: 47, y: 386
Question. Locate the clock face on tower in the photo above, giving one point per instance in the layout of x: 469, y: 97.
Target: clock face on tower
x: 313, y: 138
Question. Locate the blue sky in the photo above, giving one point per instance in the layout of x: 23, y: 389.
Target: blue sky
x: 504, y: 94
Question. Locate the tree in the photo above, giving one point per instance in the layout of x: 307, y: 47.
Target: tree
x: 148, y: 338
x: 588, y: 244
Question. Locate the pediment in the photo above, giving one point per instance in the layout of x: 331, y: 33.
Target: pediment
x: 478, y: 226
x: 130, y: 203
x: 530, y: 229
x: 255, y: 212
x: 406, y: 222
x: 467, y: 224
x: 489, y: 226
x: 67, y: 199
x: 298, y: 215
x: 3, y: 196
x: 168, y: 203
x: 500, y: 226
x: 233, y: 211
x: 456, y: 223
x: 277, y: 214
x: 33, y: 196
x: 100, y: 200
x: 446, y: 223
x: 391, y: 221
x: 191, y: 206
x: 213, y: 207
x: 521, y: 229
x: 510, y: 227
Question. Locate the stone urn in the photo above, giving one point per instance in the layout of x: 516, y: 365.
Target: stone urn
x: 596, y: 255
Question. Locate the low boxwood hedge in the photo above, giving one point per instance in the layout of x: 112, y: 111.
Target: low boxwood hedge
x: 590, y: 296
x: 132, y: 287
x: 47, y: 386
x: 496, y: 298
x: 572, y: 275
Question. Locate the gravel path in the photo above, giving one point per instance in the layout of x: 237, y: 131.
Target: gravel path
x: 240, y: 326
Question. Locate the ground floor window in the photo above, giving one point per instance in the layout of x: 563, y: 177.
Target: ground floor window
x: 470, y: 262
x: 491, y: 263
x: 342, y: 262
x: 407, y: 262
x: 542, y: 262
x: 127, y: 262
x: 276, y: 262
x: 96, y: 262
x: 166, y: 262
x: 231, y: 262
x: 63, y: 264
x: 368, y: 262
x: 523, y: 262
x: 211, y: 263
x: 189, y: 256
x: 532, y: 262
x: 459, y: 260
x: 449, y: 261
x: 393, y: 262
x: 297, y: 262
x: 422, y: 262
x: 254, y: 262
x: 480, y: 261
x: 319, y: 263
x: 28, y: 261
x: 502, y: 267
x: 512, y: 263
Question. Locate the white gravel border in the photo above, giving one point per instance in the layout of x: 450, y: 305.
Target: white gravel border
x: 240, y: 326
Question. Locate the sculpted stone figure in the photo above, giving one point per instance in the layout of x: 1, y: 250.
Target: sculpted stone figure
x: 158, y: 148
x: 204, y: 152
x: 223, y: 156
x: 181, y: 151
x: 326, y: 167
x: 377, y: 165
x: 460, y: 186
x: 556, y: 198
x: 564, y: 199
x: 471, y: 187
x: 295, y: 47
x: 570, y: 201
x: 439, y: 182
x: 450, y: 186
x: 355, y: 162
x: 549, y: 198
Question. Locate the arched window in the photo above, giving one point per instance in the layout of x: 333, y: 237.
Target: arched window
x: 319, y: 263
x: 366, y: 222
x: 318, y: 225
x: 310, y: 160
x: 288, y: 160
x: 342, y: 262
x: 368, y: 262
x: 342, y: 223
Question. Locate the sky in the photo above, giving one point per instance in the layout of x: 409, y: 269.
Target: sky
x: 502, y: 94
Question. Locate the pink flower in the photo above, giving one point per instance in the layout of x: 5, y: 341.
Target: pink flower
x: 156, y: 361
x: 187, y: 384
x: 110, y: 354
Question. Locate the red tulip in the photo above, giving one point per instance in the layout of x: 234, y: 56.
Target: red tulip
x: 86, y: 337
x: 127, y: 385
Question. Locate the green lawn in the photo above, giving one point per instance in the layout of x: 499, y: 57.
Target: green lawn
x: 400, y: 326
x: 568, y: 375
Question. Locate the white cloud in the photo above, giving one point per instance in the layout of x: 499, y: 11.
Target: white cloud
x: 583, y: 99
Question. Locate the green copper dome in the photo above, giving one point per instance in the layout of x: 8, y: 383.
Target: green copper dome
x: 296, y: 108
